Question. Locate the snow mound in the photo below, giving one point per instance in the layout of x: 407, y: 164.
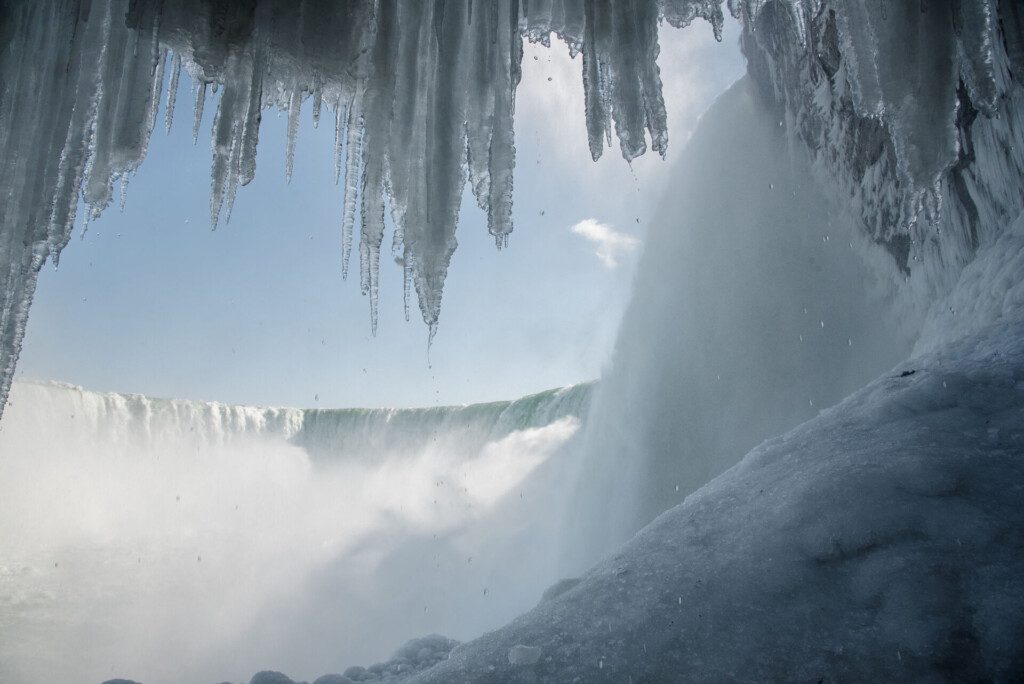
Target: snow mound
x: 414, y: 656
x: 883, y: 539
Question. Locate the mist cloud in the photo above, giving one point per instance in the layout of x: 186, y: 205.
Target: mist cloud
x: 609, y: 244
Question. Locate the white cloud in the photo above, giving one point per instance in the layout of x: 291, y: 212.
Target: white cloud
x: 609, y: 243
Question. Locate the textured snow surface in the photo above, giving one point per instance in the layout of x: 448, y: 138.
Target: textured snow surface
x: 901, y: 505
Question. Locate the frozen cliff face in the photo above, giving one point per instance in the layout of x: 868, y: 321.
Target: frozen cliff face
x: 912, y: 115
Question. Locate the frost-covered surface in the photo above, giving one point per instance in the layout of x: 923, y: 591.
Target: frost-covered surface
x: 883, y: 539
x: 912, y: 114
x: 414, y: 656
x: 421, y: 95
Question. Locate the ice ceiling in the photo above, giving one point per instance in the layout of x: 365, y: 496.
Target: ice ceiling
x: 422, y: 96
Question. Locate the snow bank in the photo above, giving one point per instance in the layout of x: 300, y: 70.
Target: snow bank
x: 883, y: 539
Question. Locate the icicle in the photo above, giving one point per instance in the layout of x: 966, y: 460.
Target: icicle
x: 424, y: 95
x: 197, y: 116
x: 294, y: 109
x: 353, y: 156
x: 318, y: 101
x: 125, y: 177
x: 172, y: 91
x: 340, y: 133
x: 406, y: 286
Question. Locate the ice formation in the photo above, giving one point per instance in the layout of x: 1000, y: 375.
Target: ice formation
x: 423, y: 95
x: 911, y: 112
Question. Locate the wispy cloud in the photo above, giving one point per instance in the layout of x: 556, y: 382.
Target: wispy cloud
x: 609, y: 243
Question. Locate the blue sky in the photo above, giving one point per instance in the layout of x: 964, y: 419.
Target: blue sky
x: 151, y: 301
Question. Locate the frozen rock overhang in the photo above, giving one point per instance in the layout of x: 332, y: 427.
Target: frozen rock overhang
x: 422, y: 96
x: 911, y: 113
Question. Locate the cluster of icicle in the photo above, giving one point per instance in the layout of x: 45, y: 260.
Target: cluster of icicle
x: 913, y: 113
x: 422, y: 95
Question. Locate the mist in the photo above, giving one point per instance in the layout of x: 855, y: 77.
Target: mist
x: 195, y: 549
x: 203, y: 542
x: 756, y: 304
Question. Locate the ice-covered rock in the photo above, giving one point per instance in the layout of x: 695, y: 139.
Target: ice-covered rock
x: 413, y: 656
x: 884, y: 539
x: 271, y: 677
x: 523, y: 655
x: 333, y: 679
x: 912, y: 114
x: 559, y: 588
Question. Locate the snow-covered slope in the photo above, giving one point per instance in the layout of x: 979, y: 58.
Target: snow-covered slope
x: 884, y: 539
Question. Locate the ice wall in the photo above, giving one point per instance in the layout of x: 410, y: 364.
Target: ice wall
x: 911, y: 113
x: 421, y: 95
